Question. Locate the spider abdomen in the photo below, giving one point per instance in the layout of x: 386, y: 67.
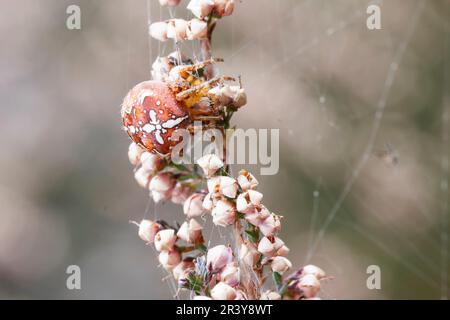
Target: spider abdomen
x: 151, y: 114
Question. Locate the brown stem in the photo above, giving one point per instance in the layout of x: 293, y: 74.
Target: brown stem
x: 206, y: 48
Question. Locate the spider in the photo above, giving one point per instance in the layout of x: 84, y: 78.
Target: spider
x: 153, y: 110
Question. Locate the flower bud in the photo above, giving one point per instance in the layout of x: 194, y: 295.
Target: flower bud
x: 258, y: 216
x: 158, y: 30
x: 181, y: 271
x: 176, y: 29
x: 246, y: 180
x: 222, y: 291
x: 165, y: 240
x: 270, y: 295
x: 210, y: 163
x: 248, y: 254
x: 269, y: 246
x: 196, y: 29
x: 148, y: 230
x: 151, y: 162
x: 193, y: 206
x: 208, y: 203
x: 170, y: 3
x: 309, y: 285
x: 247, y: 202
x: 191, y: 232
x: 180, y: 193
x: 280, y: 265
x: 134, y: 154
x: 315, y: 271
x: 232, y: 95
x: 169, y: 259
x: 270, y: 226
x: 223, y: 8
x: 228, y: 187
x: 142, y: 177
x: 161, y: 185
x: 218, y: 257
x: 161, y: 68
x: 224, y: 213
x: 201, y: 8
x: 230, y: 274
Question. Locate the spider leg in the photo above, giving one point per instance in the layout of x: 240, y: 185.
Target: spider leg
x: 183, y: 94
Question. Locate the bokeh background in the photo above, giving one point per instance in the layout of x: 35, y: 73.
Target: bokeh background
x: 363, y: 118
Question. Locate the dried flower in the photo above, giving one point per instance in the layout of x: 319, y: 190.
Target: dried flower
x: 158, y: 30
x: 161, y: 185
x: 223, y: 8
x: 191, y: 232
x: 134, y: 154
x: 210, y: 163
x: 257, y: 216
x: 169, y: 259
x: 170, y: 3
x: 196, y: 29
x: 231, y: 95
x: 246, y: 180
x: 180, y: 193
x: 165, y: 240
x: 224, y: 213
x: 147, y: 230
x: 176, y: 29
x: 193, y: 206
x: 151, y: 162
x: 313, y: 270
x: 208, y: 202
x: 248, y: 254
x: 270, y: 295
x: 280, y: 265
x: 309, y: 285
x: 142, y: 177
x: 223, y: 185
x: 270, y: 225
x: 247, y: 201
x: 201, y: 8
x: 181, y: 271
x: 230, y: 274
x: 269, y: 246
x: 222, y: 291
x: 218, y: 257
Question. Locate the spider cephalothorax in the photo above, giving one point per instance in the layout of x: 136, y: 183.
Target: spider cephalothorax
x: 153, y: 110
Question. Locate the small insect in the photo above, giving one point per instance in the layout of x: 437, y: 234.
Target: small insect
x: 153, y: 110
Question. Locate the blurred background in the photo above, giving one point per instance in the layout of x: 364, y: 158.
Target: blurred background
x: 363, y: 118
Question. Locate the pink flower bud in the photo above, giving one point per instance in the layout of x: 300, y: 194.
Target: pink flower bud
x: 176, y: 29
x: 269, y: 246
x: 210, y: 163
x: 191, y: 232
x: 230, y: 274
x: 270, y: 295
x: 201, y: 8
x: 196, y: 29
x: 180, y: 193
x: 134, y: 154
x: 247, y: 202
x: 208, y: 202
x: 315, y: 271
x: 246, y: 180
x: 224, y: 213
x: 232, y: 95
x: 218, y: 257
x: 248, y: 254
x: 161, y: 185
x: 181, y: 271
x: 258, y: 215
x: 270, y: 226
x: 222, y: 291
x: 158, y: 30
x: 228, y: 187
x: 151, y: 162
x: 223, y: 8
x: 170, y: 3
x: 142, y: 177
x: 169, y: 259
x: 193, y: 206
x: 147, y: 230
x: 280, y: 265
x: 309, y: 285
x: 165, y: 240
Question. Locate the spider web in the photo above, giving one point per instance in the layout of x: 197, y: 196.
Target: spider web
x: 279, y: 27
